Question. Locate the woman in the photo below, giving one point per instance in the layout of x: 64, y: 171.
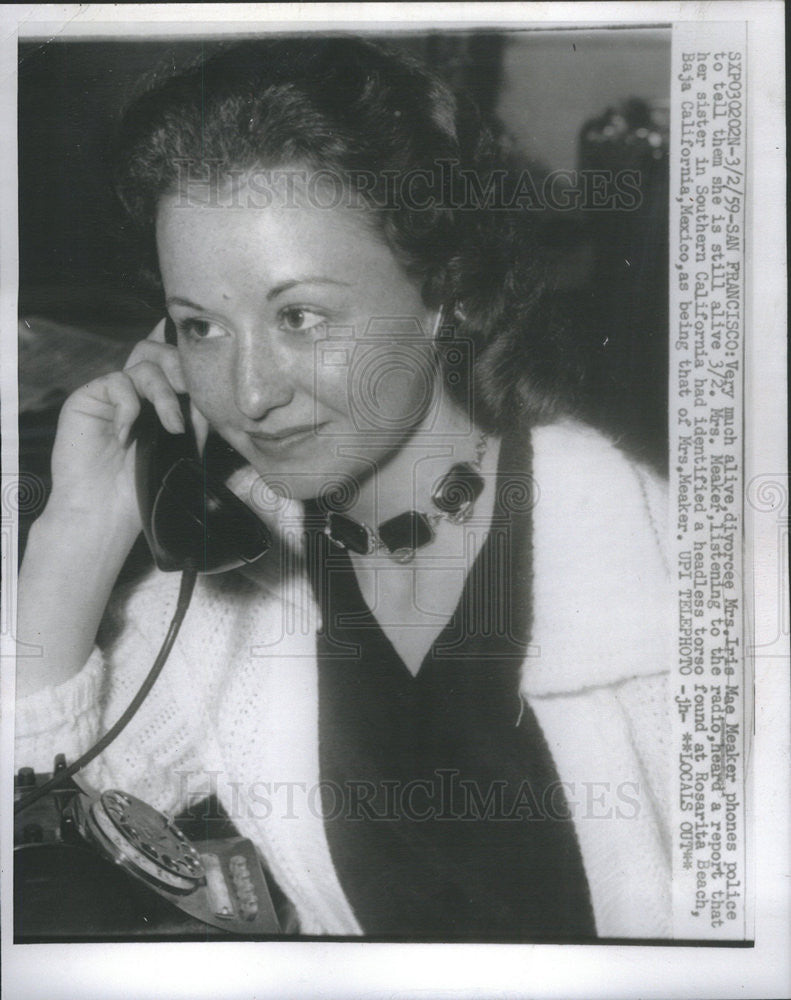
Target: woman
x: 439, y: 711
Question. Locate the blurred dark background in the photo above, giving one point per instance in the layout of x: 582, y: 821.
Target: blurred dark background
x: 570, y: 100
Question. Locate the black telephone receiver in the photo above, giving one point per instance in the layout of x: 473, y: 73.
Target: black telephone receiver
x: 190, y: 518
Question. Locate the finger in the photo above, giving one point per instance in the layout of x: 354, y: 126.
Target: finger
x: 164, y: 355
x: 151, y: 383
x: 112, y: 398
x: 201, y: 427
x: 158, y: 333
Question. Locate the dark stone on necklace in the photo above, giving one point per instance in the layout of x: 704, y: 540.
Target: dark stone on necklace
x: 404, y: 533
x: 347, y: 533
x: 457, y: 491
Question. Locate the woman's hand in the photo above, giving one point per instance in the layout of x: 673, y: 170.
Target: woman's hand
x: 93, y: 458
x: 91, y: 520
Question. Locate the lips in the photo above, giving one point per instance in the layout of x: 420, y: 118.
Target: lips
x: 286, y: 433
x: 286, y: 438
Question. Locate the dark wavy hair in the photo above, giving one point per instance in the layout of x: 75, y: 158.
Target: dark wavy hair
x: 356, y: 109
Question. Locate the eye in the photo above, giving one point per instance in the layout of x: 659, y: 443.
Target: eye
x: 296, y: 319
x: 199, y: 329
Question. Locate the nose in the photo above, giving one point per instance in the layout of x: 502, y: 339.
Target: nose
x: 262, y: 380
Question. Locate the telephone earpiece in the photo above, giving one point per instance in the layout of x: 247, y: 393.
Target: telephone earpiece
x: 190, y: 518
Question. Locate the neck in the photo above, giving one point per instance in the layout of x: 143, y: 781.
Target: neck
x: 404, y: 478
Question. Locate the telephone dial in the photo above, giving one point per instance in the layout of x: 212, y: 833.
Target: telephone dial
x: 110, y: 865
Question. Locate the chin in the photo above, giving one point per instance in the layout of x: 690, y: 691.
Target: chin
x: 313, y: 470
x: 307, y: 483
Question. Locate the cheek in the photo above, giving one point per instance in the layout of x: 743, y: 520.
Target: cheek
x: 325, y: 378
x: 391, y: 387
x: 208, y: 386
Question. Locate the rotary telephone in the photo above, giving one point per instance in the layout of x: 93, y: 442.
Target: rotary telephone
x: 111, y: 865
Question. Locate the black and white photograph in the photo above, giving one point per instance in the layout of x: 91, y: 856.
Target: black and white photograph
x: 384, y: 535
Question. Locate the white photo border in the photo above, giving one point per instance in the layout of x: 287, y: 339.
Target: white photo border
x: 329, y: 969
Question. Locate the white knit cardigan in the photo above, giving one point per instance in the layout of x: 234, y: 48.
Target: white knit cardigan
x: 236, y: 708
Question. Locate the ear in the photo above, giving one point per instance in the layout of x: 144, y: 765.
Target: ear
x: 458, y: 316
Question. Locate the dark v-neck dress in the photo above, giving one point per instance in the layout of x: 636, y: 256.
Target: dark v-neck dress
x: 442, y: 806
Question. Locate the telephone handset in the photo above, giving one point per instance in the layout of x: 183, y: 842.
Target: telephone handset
x: 193, y: 523
x: 189, y: 516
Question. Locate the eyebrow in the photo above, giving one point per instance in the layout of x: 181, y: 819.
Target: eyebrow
x: 284, y: 286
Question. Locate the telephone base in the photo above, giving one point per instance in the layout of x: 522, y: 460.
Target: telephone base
x: 69, y: 887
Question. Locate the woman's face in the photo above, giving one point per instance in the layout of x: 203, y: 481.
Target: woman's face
x: 303, y: 341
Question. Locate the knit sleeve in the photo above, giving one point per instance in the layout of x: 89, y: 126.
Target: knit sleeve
x: 169, y: 739
x: 60, y: 719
